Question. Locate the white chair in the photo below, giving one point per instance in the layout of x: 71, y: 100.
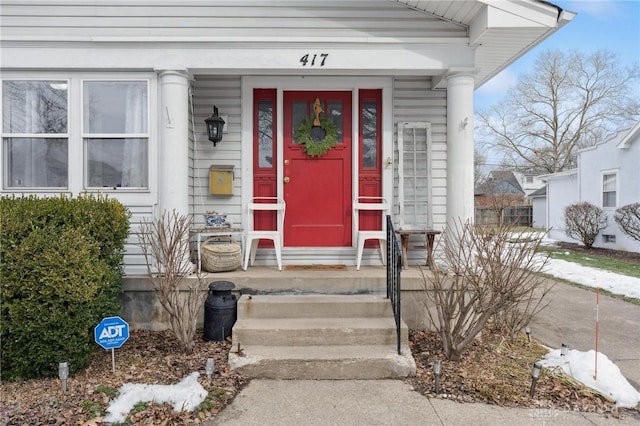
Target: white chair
x: 253, y: 236
x: 371, y: 204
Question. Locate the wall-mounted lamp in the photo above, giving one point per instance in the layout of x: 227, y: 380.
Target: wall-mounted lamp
x: 215, y: 125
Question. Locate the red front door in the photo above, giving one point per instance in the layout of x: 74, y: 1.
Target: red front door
x: 317, y: 190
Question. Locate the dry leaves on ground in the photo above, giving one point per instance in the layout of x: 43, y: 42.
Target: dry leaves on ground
x: 497, y: 371
x: 147, y: 357
x: 494, y: 370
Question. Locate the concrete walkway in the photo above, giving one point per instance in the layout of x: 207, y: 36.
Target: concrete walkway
x: 570, y: 318
x: 378, y: 402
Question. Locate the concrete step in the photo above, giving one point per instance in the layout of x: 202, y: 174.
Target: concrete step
x: 317, y: 331
x: 313, y: 306
x: 326, y: 362
x: 319, y: 337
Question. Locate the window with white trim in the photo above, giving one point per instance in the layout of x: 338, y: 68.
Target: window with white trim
x: 115, y: 133
x: 76, y: 133
x: 35, y: 134
x: 609, y: 189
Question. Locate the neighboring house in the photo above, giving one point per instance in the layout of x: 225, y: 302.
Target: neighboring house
x: 608, y: 176
x: 500, y: 199
x: 112, y: 98
x: 530, y: 183
x: 539, y: 208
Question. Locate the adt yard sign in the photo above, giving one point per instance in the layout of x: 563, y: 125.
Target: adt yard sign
x: 111, y: 333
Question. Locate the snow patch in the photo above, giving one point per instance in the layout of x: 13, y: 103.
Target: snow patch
x: 185, y: 395
x: 581, y: 366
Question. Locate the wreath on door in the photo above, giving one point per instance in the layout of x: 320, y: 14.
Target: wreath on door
x: 317, y: 135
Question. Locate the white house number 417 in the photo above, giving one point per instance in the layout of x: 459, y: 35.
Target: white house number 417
x: 315, y: 60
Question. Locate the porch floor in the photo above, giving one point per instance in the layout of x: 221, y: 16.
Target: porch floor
x: 269, y: 280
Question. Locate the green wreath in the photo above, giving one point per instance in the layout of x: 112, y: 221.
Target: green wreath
x: 312, y: 147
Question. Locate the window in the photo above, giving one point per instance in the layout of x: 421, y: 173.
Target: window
x: 35, y: 133
x: 115, y: 131
x: 607, y: 238
x: 414, y: 175
x: 609, y: 189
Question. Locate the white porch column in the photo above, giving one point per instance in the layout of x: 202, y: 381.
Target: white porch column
x: 174, y: 142
x: 460, y: 148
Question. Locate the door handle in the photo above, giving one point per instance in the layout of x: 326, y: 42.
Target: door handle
x: 286, y: 179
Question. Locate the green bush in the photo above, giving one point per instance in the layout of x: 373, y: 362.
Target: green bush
x: 61, y: 273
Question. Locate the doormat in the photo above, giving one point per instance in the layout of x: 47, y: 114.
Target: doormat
x: 315, y: 267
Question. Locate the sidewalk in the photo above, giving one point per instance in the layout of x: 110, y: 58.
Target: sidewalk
x: 378, y: 402
x: 570, y: 318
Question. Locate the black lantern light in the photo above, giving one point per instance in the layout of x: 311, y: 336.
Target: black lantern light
x: 215, y: 124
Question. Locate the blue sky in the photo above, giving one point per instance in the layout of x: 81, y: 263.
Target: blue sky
x: 599, y: 24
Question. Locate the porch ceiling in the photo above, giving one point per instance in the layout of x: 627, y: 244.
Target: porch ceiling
x: 501, y: 31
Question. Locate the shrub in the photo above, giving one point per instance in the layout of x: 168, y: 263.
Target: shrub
x: 628, y: 219
x: 61, y: 272
x: 165, y: 242
x: 584, y: 221
x: 484, y: 278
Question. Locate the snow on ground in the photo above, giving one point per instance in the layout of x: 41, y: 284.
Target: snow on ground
x: 185, y: 395
x: 581, y: 366
x: 593, y: 277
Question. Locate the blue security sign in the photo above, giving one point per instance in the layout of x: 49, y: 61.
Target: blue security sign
x: 111, y: 333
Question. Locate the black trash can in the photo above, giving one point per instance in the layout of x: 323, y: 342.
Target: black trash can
x: 220, y: 311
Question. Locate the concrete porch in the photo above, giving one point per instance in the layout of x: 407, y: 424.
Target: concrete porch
x: 142, y: 311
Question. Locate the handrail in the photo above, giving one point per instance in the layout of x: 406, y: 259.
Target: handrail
x: 394, y: 267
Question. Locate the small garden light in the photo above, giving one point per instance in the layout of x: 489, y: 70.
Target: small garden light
x: 437, y: 371
x: 564, y: 351
x: 63, y: 374
x: 527, y: 330
x: 535, y: 375
x: 209, y: 367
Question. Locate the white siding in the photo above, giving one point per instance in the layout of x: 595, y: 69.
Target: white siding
x: 561, y: 191
x: 223, y: 92
x: 78, y: 20
x: 539, y: 207
x: 608, y: 158
x: 413, y: 100
x: 134, y: 259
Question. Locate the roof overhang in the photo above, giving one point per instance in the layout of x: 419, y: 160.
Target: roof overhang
x: 501, y: 31
x: 632, y: 136
x: 558, y: 175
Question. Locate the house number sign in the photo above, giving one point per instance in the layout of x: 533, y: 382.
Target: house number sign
x: 314, y: 59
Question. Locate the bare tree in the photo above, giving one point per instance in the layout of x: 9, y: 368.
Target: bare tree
x: 584, y: 221
x: 628, y: 219
x: 165, y: 241
x: 484, y: 273
x: 499, y: 191
x: 479, y: 161
x: 568, y: 101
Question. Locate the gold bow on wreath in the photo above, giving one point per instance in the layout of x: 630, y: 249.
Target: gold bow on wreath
x: 306, y: 133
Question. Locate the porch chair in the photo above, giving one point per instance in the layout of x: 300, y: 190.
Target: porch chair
x: 371, y: 204
x: 253, y: 236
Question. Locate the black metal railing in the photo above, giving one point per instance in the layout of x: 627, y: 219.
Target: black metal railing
x: 394, y: 267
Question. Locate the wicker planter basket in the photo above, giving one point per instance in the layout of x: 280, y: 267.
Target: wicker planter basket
x: 220, y: 254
